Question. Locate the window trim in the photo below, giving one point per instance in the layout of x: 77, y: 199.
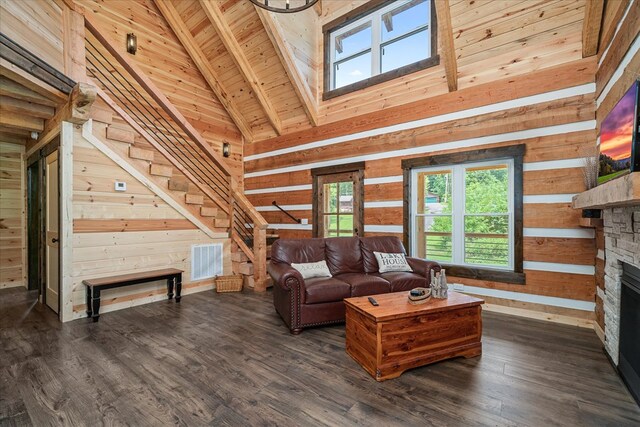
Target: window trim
x: 354, y: 16
x: 358, y: 216
x: 514, y: 152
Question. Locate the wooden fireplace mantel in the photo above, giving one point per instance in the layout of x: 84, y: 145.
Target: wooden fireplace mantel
x: 624, y: 191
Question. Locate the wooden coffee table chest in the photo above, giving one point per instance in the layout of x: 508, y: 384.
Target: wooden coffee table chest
x: 396, y: 336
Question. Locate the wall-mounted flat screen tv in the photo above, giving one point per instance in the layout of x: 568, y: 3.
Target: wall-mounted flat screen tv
x: 619, y: 139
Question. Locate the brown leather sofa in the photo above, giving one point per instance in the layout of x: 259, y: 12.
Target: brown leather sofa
x: 319, y: 301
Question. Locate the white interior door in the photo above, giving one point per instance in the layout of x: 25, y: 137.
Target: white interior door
x: 52, y: 232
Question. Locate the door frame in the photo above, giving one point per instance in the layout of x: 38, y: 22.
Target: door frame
x: 39, y: 158
x: 358, y: 192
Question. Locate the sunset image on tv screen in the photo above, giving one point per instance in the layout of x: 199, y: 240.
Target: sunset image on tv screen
x: 616, y: 137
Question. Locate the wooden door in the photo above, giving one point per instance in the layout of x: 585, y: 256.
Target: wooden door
x: 52, y: 215
x: 338, y: 205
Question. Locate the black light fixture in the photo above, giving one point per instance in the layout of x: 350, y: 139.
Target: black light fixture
x: 132, y: 43
x: 284, y: 6
x: 226, y: 149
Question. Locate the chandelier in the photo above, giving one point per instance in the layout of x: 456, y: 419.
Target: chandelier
x: 284, y: 6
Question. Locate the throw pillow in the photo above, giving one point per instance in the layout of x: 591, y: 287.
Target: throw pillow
x: 391, y: 262
x: 310, y: 270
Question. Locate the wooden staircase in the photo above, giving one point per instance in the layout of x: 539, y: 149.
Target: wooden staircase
x: 122, y: 138
x: 162, y: 146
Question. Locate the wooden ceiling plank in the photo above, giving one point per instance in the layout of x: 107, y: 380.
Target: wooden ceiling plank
x: 216, y: 17
x: 591, y: 27
x: 14, y: 90
x: 21, y: 121
x: 286, y: 58
x: 447, y: 48
x: 181, y: 31
x: 19, y: 106
x: 13, y: 138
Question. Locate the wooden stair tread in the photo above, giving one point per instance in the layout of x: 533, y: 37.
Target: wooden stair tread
x: 221, y: 223
x: 193, y: 199
x: 208, y: 211
x: 160, y: 170
x: 178, y: 184
x: 119, y: 134
x: 140, y: 153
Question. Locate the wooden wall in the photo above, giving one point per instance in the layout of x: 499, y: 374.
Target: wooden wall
x: 492, y: 40
x: 618, y: 68
x: 552, y: 111
x: 12, y: 216
x: 37, y: 26
x: 124, y: 232
x: 161, y: 56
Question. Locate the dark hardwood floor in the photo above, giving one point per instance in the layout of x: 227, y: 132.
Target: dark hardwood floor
x: 228, y: 360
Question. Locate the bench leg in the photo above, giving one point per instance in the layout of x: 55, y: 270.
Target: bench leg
x: 95, y: 305
x: 170, y: 288
x: 178, y: 280
x: 88, y: 301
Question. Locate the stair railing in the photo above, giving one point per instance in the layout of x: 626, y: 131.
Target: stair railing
x: 127, y: 90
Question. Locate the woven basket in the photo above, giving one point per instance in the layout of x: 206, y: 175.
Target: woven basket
x: 228, y: 283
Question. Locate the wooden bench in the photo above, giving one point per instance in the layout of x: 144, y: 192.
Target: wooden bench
x: 173, y: 277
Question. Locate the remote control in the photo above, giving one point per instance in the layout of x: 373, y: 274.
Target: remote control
x: 373, y: 301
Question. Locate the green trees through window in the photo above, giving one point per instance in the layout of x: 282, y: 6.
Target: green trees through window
x: 463, y: 214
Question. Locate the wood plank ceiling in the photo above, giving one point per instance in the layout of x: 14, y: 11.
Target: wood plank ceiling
x: 261, y: 72
x: 24, y: 107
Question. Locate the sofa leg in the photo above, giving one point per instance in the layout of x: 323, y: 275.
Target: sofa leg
x: 296, y: 331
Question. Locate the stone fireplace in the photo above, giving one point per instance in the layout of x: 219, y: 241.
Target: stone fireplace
x: 622, y: 245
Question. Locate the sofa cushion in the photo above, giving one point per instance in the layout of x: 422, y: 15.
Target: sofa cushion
x: 343, y: 255
x: 391, y: 262
x: 403, y: 281
x: 365, y: 284
x: 299, y: 251
x: 309, y: 270
x: 325, y: 289
x: 369, y: 245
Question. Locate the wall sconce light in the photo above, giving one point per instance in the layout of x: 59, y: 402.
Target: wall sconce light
x: 132, y: 43
x: 226, y: 149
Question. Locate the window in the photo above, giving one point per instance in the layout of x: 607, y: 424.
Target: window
x: 466, y: 214
x: 376, y: 44
x: 338, y: 201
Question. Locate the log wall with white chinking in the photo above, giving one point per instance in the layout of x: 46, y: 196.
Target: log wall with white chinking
x: 125, y: 232
x: 552, y: 111
x: 618, y: 68
x: 12, y: 216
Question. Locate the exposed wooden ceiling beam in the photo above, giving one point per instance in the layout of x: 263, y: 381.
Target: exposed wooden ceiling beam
x: 15, y: 73
x: 591, y: 27
x: 447, y: 48
x: 21, y: 121
x: 20, y: 106
x: 13, y: 139
x: 14, y: 90
x: 202, y: 63
x: 286, y: 58
x: 213, y: 12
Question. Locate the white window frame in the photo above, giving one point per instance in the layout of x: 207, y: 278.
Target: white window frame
x: 458, y: 212
x: 377, y: 45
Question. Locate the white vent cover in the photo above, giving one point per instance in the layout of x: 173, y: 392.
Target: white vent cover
x: 206, y: 261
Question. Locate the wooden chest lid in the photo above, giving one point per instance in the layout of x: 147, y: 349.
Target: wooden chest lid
x: 396, y: 305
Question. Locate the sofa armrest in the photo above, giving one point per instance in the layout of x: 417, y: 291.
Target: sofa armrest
x: 284, y: 275
x: 423, y: 267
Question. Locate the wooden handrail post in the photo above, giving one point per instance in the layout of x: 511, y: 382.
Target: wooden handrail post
x: 260, y: 255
